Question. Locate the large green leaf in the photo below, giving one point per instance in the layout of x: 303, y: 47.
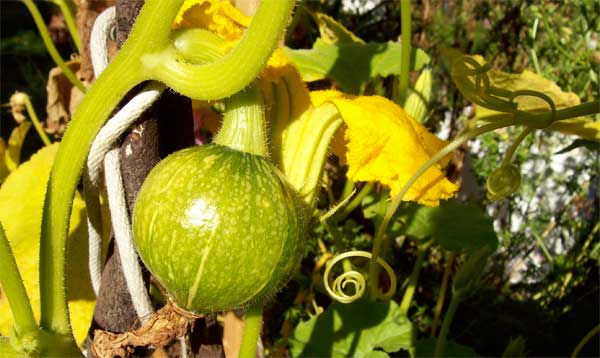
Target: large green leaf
x: 360, y: 329
x: 351, y: 65
x: 454, y: 225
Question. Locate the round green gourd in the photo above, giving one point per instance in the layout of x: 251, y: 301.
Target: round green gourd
x: 218, y: 228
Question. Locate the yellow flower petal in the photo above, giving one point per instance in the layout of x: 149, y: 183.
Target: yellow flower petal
x: 218, y: 16
x: 386, y: 145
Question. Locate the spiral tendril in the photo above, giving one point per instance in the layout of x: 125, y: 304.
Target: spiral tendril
x: 355, y: 278
x: 473, y: 82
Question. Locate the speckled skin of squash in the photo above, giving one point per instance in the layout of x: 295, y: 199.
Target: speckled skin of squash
x: 218, y: 228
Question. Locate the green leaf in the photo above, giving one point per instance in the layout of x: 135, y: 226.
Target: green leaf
x: 332, y: 31
x: 351, y: 65
x: 454, y: 225
x: 358, y: 329
x: 426, y: 348
x: 578, y: 143
x: 12, y: 156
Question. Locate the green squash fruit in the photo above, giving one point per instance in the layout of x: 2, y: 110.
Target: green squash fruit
x: 219, y: 228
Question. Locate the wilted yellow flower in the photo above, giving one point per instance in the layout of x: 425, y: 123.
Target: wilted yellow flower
x: 387, y: 145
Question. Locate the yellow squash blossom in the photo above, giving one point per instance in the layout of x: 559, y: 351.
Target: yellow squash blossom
x: 384, y: 143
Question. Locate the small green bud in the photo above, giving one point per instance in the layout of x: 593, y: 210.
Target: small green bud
x: 503, y: 182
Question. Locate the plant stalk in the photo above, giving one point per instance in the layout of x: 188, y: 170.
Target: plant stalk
x: 39, y: 22
x: 440, y: 345
x: 405, y: 13
x: 36, y: 122
x: 412, y: 282
x: 69, y: 20
x: 442, y: 295
x: 252, y: 326
x: 585, y: 339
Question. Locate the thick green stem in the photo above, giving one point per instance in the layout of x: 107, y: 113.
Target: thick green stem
x: 36, y: 122
x: 440, y: 345
x: 252, y: 325
x: 405, y: 12
x: 13, y: 288
x: 66, y: 11
x: 233, y: 71
x: 244, y: 125
x: 39, y: 22
x: 393, y: 206
x: 412, y: 282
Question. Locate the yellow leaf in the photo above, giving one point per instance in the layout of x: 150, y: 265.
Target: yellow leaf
x: 386, y: 145
x: 15, y: 142
x: 583, y: 127
x: 3, y: 168
x: 21, y: 203
x: 526, y: 80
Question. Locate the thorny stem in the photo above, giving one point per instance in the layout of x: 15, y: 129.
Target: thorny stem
x: 252, y: 326
x: 39, y: 22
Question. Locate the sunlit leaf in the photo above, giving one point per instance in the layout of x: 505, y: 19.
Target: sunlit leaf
x: 583, y: 127
x: 419, y: 97
x: 3, y: 168
x: 454, y: 225
x: 12, y: 156
x: 333, y: 32
x: 353, y: 330
x: 21, y: 204
x: 351, y: 65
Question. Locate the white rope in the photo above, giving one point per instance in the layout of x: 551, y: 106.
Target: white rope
x: 103, y: 25
x: 124, y: 237
x: 101, y: 151
x: 108, y: 135
x: 98, y: 49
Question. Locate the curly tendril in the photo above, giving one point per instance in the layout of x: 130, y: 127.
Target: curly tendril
x: 473, y: 82
x: 355, y: 278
